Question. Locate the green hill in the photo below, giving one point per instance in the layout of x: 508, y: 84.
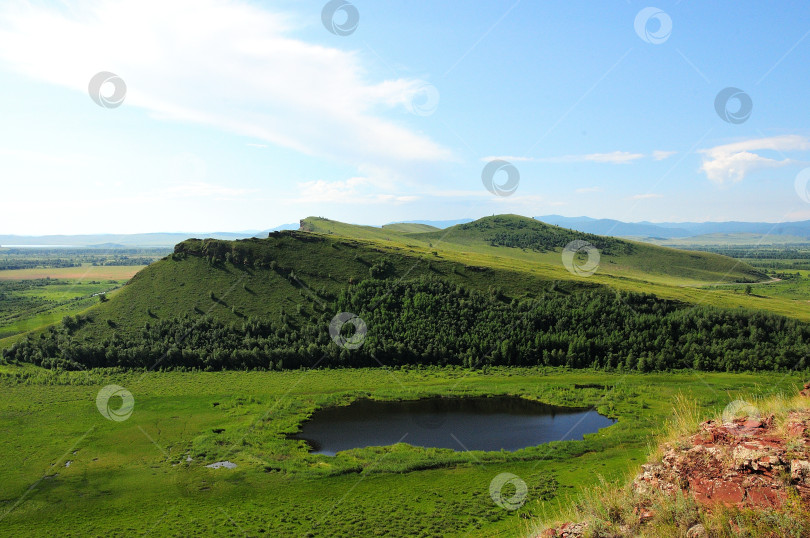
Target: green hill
x: 493, y: 291
x: 529, y: 240
x: 410, y: 227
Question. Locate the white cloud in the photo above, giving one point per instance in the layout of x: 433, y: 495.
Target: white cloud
x: 509, y: 158
x: 355, y: 190
x: 660, y: 155
x: 647, y: 196
x: 585, y: 190
x: 616, y: 157
x: 732, y: 162
x: 231, y: 65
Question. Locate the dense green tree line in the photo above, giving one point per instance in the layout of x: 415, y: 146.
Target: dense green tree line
x: 533, y: 235
x: 44, y: 258
x: 782, y: 253
x: 428, y: 321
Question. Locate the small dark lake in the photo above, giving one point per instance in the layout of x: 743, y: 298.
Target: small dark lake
x: 480, y: 423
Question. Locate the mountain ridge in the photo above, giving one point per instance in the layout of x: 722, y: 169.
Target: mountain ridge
x: 680, y: 230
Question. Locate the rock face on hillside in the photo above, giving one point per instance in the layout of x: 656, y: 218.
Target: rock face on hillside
x: 746, y: 463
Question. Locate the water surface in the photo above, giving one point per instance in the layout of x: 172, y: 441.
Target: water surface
x: 479, y: 423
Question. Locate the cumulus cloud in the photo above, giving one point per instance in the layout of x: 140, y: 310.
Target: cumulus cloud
x: 732, y: 162
x: 660, y: 155
x: 614, y: 157
x: 231, y: 65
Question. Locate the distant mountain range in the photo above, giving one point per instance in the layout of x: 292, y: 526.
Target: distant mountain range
x: 107, y: 241
x: 671, y: 230
x: 645, y: 230
x: 442, y: 224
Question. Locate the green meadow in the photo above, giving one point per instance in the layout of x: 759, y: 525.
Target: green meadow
x: 135, y: 477
x: 70, y: 470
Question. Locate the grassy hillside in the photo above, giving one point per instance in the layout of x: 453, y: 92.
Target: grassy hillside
x: 295, y: 274
x: 440, y: 297
x: 298, y: 273
x: 527, y: 240
x: 410, y: 227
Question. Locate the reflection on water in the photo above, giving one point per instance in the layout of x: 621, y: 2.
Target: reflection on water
x: 496, y: 423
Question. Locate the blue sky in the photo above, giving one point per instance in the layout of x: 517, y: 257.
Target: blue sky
x: 245, y: 115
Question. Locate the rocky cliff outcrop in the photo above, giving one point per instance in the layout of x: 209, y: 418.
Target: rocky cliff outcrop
x: 747, y: 463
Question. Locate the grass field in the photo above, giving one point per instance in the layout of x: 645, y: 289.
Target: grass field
x: 81, y: 274
x: 34, y: 298
x: 133, y: 477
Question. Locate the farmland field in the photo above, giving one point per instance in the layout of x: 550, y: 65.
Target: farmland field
x: 83, y: 273
x: 35, y: 297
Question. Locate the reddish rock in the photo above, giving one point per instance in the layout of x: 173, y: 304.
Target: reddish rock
x: 764, y: 497
x: 728, y: 492
x: 744, y: 463
x: 741, y: 463
x: 796, y: 429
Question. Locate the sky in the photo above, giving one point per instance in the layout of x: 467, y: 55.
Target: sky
x: 136, y: 116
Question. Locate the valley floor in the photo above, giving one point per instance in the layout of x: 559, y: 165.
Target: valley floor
x: 134, y: 476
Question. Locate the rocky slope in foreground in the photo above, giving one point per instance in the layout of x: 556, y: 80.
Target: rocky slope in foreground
x: 745, y: 477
